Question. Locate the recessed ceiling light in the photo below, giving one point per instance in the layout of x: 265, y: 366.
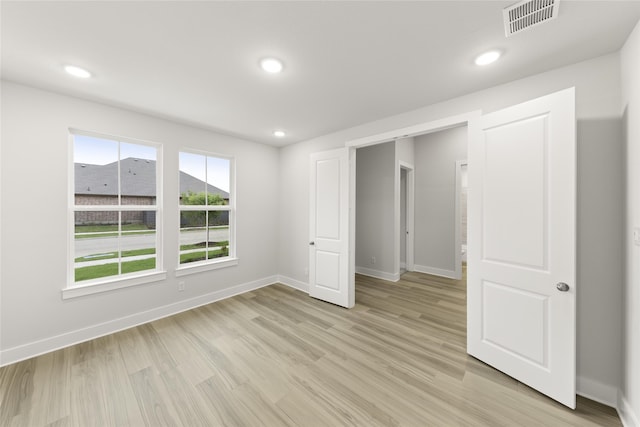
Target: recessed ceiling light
x: 279, y: 133
x: 488, y: 57
x: 271, y: 65
x: 77, y: 71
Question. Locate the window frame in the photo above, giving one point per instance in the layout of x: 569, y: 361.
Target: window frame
x: 231, y: 259
x: 108, y: 283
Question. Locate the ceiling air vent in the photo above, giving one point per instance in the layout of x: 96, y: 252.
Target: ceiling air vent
x: 527, y: 14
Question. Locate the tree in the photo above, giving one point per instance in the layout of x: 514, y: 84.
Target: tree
x: 197, y: 218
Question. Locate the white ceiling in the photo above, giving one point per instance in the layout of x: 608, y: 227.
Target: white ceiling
x: 346, y: 63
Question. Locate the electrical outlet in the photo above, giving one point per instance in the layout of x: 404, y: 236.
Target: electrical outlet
x: 306, y: 272
x: 636, y: 236
x: 181, y: 286
x: 373, y: 260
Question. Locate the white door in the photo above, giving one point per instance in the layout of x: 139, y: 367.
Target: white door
x: 330, y: 275
x: 521, y: 286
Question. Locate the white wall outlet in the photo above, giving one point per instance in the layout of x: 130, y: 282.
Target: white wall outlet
x: 181, y: 286
x: 306, y: 272
x: 373, y: 260
x: 636, y: 236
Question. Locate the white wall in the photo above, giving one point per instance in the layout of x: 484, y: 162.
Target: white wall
x: 375, y: 209
x: 597, y: 83
x: 405, y: 150
x: 34, y: 217
x: 630, y: 72
x: 435, y: 226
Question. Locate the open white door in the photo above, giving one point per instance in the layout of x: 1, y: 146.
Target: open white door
x: 521, y: 288
x: 330, y: 275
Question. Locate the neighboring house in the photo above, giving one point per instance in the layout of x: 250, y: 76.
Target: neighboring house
x: 98, y: 185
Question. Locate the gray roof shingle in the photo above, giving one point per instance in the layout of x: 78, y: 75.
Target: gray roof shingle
x: 137, y: 179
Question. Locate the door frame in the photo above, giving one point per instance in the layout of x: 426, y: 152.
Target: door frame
x: 458, y: 214
x: 471, y: 119
x: 409, y: 212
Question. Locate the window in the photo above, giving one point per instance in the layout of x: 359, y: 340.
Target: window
x: 206, y: 209
x: 114, y: 210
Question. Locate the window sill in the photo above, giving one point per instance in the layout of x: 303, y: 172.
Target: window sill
x: 205, y: 266
x: 112, y: 284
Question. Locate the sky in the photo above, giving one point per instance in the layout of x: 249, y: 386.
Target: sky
x: 98, y: 151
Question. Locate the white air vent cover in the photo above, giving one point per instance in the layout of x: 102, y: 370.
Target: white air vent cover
x: 527, y: 14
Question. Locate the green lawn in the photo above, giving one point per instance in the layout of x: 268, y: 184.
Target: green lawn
x: 105, y: 270
x: 201, y: 245
x: 200, y: 256
x: 111, y: 269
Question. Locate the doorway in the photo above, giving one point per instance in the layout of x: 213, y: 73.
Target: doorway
x: 406, y: 217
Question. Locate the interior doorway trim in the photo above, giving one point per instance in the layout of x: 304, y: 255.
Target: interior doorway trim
x: 458, y: 224
x: 469, y: 119
x: 410, y: 218
x: 415, y: 130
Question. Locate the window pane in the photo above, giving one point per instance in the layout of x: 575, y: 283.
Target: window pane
x: 193, y: 236
x: 95, y: 170
x: 204, y: 181
x: 137, y: 174
x: 96, y: 245
x: 192, y: 179
x: 218, y: 242
x: 218, y: 180
x: 138, y: 241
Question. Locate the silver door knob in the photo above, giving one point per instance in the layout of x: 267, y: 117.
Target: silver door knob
x: 562, y: 287
x: 312, y: 243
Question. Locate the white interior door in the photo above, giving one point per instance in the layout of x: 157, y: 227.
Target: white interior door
x: 330, y: 275
x: 522, y: 244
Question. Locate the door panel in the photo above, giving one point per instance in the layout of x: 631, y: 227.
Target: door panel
x: 522, y: 243
x: 330, y: 276
x: 529, y: 312
x: 327, y: 179
x: 516, y: 206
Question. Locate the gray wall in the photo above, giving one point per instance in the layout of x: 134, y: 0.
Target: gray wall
x: 375, y: 209
x: 435, y: 195
x: 600, y: 210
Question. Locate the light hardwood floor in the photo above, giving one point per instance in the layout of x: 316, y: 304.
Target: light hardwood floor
x: 276, y: 357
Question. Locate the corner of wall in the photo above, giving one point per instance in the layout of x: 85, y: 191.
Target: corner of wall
x: 626, y: 413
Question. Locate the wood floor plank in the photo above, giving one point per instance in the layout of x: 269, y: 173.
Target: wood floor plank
x: 156, y: 407
x: 276, y: 357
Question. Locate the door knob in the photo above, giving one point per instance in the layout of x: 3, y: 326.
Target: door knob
x: 312, y: 243
x: 562, y: 287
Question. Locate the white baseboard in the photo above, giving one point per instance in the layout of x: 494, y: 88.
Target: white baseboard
x: 628, y: 417
x: 393, y: 277
x: 36, y: 348
x: 293, y: 283
x: 450, y: 274
x: 597, y: 391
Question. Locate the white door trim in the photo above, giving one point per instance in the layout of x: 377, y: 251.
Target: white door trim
x: 458, y: 224
x: 415, y: 130
x: 410, y: 212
